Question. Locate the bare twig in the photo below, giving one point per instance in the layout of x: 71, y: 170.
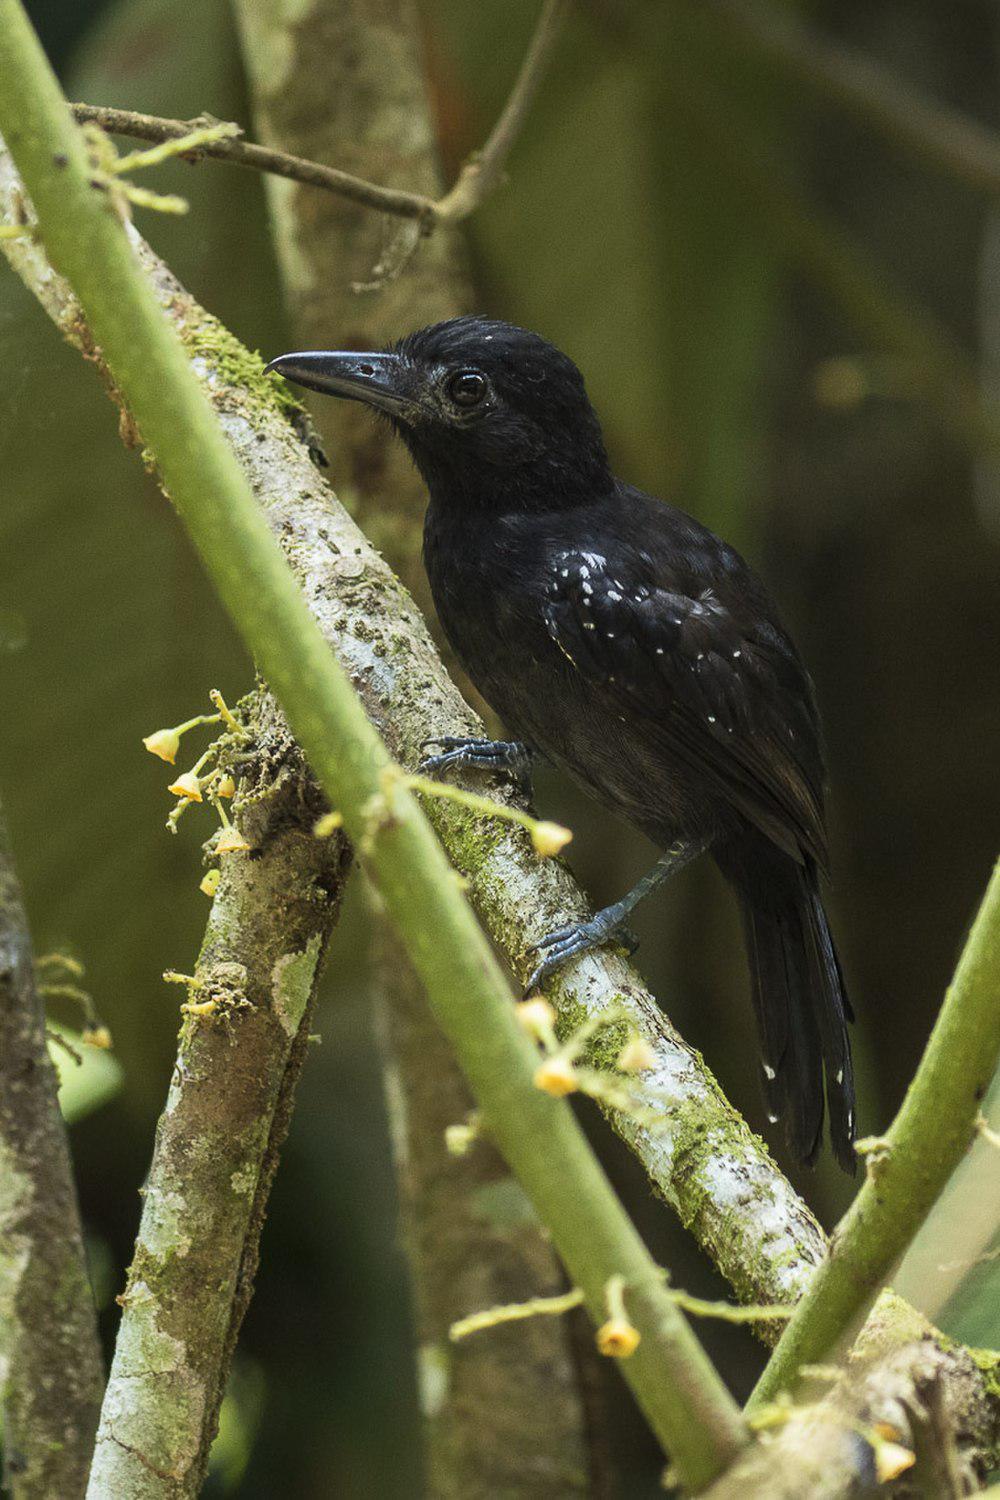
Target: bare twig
x: 477, y: 179
x: 484, y: 171
x: 242, y: 153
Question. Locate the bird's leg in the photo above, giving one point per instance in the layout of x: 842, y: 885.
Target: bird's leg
x: 480, y: 755
x: 609, y: 923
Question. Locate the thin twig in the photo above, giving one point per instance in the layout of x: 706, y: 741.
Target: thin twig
x: 242, y: 153
x: 484, y: 170
x: 477, y: 179
x: 698, y: 1307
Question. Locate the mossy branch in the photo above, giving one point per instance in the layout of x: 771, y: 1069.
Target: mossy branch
x: 240, y: 1051
x: 908, y: 1402
x: 363, y: 69
x: 683, y: 1397
x: 929, y: 1136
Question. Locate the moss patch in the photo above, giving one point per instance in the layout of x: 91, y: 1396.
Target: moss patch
x: 236, y: 365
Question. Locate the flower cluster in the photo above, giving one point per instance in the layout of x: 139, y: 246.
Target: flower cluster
x: 201, y: 784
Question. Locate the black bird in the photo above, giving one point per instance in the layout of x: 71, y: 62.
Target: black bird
x: 628, y: 644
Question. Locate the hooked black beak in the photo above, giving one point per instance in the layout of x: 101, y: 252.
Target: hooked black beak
x: 381, y: 380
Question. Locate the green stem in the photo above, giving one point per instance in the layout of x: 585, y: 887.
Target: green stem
x: 686, y: 1402
x: 449, y: 792
x: 928, y: 1138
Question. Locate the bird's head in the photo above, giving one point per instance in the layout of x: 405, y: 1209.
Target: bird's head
x: 490, y: 412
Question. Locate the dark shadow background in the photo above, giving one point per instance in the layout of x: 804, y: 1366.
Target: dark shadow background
x: 731, y: 381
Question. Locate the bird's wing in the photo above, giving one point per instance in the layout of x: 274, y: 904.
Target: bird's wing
x: 731, y: 699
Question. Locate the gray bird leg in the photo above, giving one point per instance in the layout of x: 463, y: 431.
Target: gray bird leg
x: 479, y: 755
x: 609, y: 923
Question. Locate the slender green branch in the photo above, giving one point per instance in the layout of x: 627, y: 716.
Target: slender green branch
x: 682, y: 1395
x: 698, y: 1307
x: 546, y: 838
x: 927, y: 1139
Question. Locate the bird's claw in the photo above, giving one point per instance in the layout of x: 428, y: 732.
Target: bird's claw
x: 564, y: 943
x: 475, y: 754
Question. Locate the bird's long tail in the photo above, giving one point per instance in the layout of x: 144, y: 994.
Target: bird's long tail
x: 799, y: 998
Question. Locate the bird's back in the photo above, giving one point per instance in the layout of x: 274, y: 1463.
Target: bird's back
x: 634, y: 647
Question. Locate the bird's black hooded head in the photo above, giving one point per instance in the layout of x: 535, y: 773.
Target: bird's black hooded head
x: 491, y: 413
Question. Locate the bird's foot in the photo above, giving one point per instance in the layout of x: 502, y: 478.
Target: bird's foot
x: 478, y: 755
x: 569, y: 942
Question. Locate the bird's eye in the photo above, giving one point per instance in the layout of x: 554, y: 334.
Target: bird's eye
x: 466, y: 388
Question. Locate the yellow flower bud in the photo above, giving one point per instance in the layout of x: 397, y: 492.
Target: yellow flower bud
x: 637, y: 1055
x: 225, y: 787
x: 549, y: 838
x: 459, y: 1139
x: 199, y: 1007
x: 891, y: 1460
x: 556, y: 1076
x: 887, y: 1432
x: 165, y: 743
x: 97, y: 1036
x: 536, y: 1017
x: 210, y: 883
x: 327, y: 824
x: 231, y: 841
x: 618, y: 1338
x: 187, y: 786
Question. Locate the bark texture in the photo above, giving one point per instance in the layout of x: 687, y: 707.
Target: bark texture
x: 50, y: 1361
x: 219, y: 1136
x: 503, y: 1415
x: 904, y: 1383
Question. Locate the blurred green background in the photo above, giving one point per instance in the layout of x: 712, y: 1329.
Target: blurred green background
x: 661, y: 223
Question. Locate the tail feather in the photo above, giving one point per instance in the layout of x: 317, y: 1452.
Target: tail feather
x: 800, y: 1002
